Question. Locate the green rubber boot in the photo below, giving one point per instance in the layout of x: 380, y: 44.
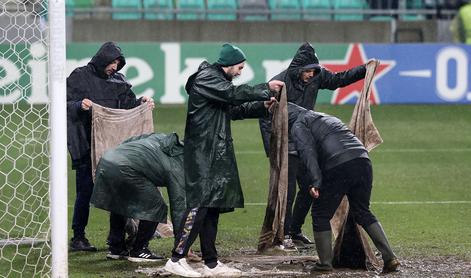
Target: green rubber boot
x: 323, y: 242
x: 377, y: 235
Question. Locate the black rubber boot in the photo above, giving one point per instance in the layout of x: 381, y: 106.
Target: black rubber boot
x: 323, y: 242
x: 377, y: 235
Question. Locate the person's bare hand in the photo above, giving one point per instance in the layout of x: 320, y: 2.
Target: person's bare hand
x: 86, y: 104
x: 149, y: 101
x: 276, y: 85
x: 270, y: 104
x: 314, y: 192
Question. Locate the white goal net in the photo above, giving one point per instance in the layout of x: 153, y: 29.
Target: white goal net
x: 25, y: 132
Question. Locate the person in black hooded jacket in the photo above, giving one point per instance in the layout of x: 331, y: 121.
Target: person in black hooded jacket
x: 97, y: 82
x: 303, y: 78
x: 337, y: 164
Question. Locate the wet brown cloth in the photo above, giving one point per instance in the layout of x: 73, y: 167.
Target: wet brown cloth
x: 361, y: 123
x: 351, y: 248
x: 272, y: 230
x: 110, y: 127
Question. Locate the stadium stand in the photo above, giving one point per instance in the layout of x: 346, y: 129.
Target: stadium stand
x: 253, y: 10
x: 317, y: 9
x: 158, y: 9
x: 262, y: 10
x: 222, y: 9
x: 191, y: 9
x: 124, y: 9
x: 285, y: 9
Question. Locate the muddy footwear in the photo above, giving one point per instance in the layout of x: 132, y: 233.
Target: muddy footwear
x: 117, y: 254
x: 391, y: 265
x: 377, y: 235
x: 181, y: 268
x: 192, y: 257
x: 143, y: 255
x: 324, y: 251
x: 81, y: 244
x: 221, y: 270
x: 302, y: 240
x: 288, y: 245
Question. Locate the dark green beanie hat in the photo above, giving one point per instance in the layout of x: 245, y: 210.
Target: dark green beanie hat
x: 230, y: 55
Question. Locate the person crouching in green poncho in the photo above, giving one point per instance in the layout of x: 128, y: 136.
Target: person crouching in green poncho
x: 126, y: 184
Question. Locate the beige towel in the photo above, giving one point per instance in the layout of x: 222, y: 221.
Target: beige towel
x: 111, y: 126
x: 363, y: 127
x: 361, y: 122
x: 273, y: 225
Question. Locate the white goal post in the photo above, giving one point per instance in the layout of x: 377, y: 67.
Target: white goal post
x: 33, y: 139
x: 58, y: 146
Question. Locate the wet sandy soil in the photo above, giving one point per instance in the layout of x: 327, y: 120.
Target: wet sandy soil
x: 289, y: 265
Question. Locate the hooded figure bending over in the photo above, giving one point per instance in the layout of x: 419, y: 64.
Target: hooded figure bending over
x: 337, y: 164
x: 126, y: 184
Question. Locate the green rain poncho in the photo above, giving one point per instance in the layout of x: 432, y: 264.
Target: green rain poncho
x: 127, y: 178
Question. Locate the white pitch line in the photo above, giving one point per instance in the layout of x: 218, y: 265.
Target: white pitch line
x: 390, y: 150
x: 395, y: 203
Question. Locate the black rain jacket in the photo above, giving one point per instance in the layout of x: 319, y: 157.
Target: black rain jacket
x: 91, y: 82
x: 305, y: 94
x: 211, y: 174
x: 322, y: 142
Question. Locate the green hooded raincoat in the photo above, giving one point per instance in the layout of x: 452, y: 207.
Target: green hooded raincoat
x: 127, y: 178
x: 211, y: 174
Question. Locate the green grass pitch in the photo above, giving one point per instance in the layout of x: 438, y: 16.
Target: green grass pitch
x: 421, y: 192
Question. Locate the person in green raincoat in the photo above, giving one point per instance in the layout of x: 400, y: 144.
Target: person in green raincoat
x: 211, y: 176
x: 126, y: 184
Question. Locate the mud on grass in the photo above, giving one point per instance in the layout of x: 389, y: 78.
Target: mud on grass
x: 254, y: 265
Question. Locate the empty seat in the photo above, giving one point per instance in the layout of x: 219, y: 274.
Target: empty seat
x: 190, y: 9
x: 158, y: 9
x: 285, y: 9
x: 126, y: 9
x: 81, y: 4
x: 317, y: 9
x: 253, y: 10
x: 414, y: 5
x: 222, y: 10
x: 350, y: 6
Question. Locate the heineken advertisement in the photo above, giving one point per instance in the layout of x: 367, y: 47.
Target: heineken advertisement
x: 408, y: 73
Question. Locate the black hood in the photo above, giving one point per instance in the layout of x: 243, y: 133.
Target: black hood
x: 296, y: 112
x: 107, y: 53
x: 191, y: 79
x: 304, y: 59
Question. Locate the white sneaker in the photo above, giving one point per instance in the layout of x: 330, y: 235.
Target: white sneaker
x: 221, y: 270
x: 181, y: 268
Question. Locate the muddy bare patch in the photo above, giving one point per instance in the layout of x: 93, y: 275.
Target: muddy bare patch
x: 295, y: 265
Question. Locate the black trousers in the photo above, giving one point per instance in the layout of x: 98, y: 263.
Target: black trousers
x: 295, y: 216
x: 203, y: 222
x: 116, y: 237
x: 354, y: 179
x: 84, y: 190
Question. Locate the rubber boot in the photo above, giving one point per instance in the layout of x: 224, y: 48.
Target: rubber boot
x: 377, y: 235
x: 323, y: 242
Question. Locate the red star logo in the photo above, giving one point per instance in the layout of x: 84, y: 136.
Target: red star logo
x: 355, y: 56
